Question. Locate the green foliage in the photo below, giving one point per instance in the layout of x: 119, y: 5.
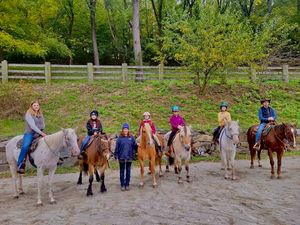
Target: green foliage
x: 214, y: 42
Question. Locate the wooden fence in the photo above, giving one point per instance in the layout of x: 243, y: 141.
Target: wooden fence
x: 125, y: 72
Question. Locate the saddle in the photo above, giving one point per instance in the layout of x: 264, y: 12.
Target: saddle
x: 32, y: 148
x: 33, y: 145
x: 266, y: 130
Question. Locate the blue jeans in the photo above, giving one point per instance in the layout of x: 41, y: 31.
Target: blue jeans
x: 27, y: 140
x: 125, y: 165
x: 84, y: 143
x: 259, y: 131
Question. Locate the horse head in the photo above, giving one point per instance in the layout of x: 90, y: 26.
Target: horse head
x: 147, y: 131
x: 185, y: 137
x: 70, y: 141
x: 102, y: 145
x: 290, y: 133
x: 233, y: 129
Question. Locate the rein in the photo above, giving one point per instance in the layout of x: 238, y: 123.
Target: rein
x: 276, y: 136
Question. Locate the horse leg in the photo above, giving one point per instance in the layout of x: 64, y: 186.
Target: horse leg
x: 159, y: 164
x: 21, y: 192
x: 98, y: 179
x: 40, y: 174
x: 258, y: 158
x: 142, y: 173
x: 179, y: 168
x: 103, y: 188
x: 91, y: 178
x: 13, y: 171
x: 279, y: 157
x: 252, y: 153
x: 225, y: 163
x: 271, y: 162
x: 153, y: 171
x: 50, y: 176
x: 187, y: 168
x: 80, y: 173
x: 233, y: 177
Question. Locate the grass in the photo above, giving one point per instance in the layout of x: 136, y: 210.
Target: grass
x: 67, y: 104
x: 115, y: 166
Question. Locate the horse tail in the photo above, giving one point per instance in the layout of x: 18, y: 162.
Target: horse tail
x: 85, y: 167
x: 171, y: 160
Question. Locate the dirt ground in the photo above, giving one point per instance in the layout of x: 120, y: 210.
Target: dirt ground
x: 209, y: 199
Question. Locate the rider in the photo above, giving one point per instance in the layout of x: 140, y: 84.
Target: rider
x: 93, y: 127
x: 223, y: 116
x: 35, y: 124
x: 266, y: 114
x: 150, y: 122
x: 176, y: 122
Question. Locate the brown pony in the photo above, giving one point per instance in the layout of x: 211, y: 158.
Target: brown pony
x: 275, y: 141
x: 96, y: 156
x: 146, y: 151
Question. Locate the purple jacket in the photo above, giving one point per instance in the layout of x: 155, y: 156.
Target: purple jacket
x: 175, y: 121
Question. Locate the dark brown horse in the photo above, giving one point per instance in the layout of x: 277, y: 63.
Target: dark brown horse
x: 96, y: 157
x: 276, y: 140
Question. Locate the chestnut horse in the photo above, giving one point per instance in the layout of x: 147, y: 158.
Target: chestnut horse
x: 275, y: 141
x: 159, y: 155
x: 146, y: 151
x: 96, y: 156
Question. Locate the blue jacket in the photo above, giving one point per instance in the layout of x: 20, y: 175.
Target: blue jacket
x: 125, y: 148
x: 265, y: 113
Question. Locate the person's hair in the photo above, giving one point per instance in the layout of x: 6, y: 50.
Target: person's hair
x: 122, y: 134
x: 32, y: 112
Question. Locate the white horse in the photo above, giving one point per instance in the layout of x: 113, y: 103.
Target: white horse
x: 228, y: 140
x: 45, y: 156
x: 182, y: 151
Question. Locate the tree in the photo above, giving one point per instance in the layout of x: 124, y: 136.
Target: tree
x: 92, y: 8
x: 246, y: 6
x: 213, y: 42
x: 136, y: 37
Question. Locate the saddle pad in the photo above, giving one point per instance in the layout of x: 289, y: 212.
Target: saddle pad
x: 33, y: 145
x: 267, y: 129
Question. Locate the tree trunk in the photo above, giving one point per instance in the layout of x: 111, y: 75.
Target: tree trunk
x: 92, y: 8
x: 158, y: 16
x: 136, y: 38
x: 270, y: 6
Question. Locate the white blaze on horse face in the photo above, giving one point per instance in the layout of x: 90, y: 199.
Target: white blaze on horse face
x: 71, y: 135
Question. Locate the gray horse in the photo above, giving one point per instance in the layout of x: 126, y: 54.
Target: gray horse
x: 45, y: 156
x: 228, y: 140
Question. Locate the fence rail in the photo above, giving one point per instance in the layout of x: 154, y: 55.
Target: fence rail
x: 124, y: 72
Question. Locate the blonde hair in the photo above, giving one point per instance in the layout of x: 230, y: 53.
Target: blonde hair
x: 32, y: 112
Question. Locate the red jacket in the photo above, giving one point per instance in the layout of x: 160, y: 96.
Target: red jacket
x: 149, y: 121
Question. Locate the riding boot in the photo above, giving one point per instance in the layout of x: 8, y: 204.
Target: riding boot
x: 21, y: 168
x: 257, y: 146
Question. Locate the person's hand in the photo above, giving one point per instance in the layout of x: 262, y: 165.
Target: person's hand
x: 95, y: 132
x: 270, y: 118
x: 179, y: 127
x: 43, y: 134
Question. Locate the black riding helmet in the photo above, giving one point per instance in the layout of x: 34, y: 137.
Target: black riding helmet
x: 94, y: 112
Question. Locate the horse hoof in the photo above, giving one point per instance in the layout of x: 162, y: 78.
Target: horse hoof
x: 259, y: 165
x: 167, y: 170
x: 161, y: 175
x: 149, y: 172
x: 16, y: 196
x: 39, y: 204
x: 141, y: 185
x: 278, y: 177
x: 154, y: 185
x: 180, y: 181
x: 79, y: 183
x: 103, y: 190
x: 272, y: 176
x: 189, y: 180
x: 233, y: 178
x: 89, y: 193
x: 226, y: 177
x: 251, y: 167
x: 52, y: 202
x: 22, y: 193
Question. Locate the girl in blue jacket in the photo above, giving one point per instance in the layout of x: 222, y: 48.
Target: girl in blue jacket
x: 124, y: 152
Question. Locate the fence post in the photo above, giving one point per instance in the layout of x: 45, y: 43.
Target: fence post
x: 48, y: 72
x: 4, y: 70
x: 285, y: 73
x: 124, y: 71
x: 90, y: 72
x: 160, y: 71
x: 253, y: 74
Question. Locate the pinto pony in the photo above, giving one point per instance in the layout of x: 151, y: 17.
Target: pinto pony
x: 276, y: 140
x: 146, y: 151
x: 96, y: 157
